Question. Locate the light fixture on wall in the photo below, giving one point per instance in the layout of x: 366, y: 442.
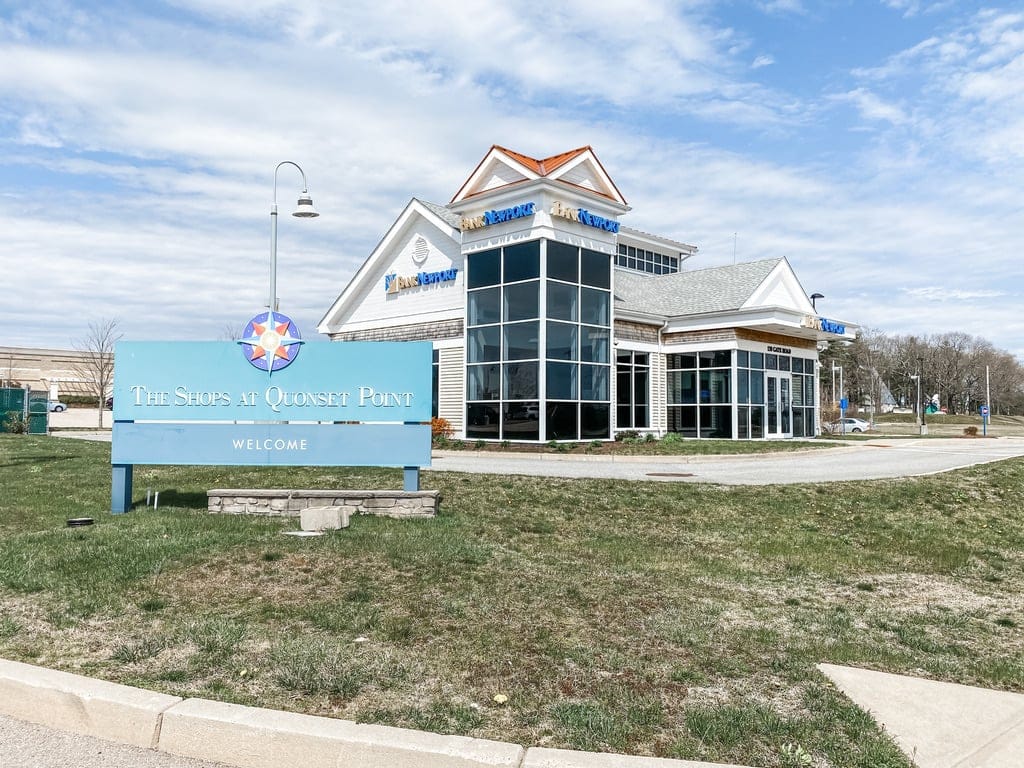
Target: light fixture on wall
x: 814, y: 298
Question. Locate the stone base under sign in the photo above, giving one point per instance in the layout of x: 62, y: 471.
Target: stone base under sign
x: 290, y: 503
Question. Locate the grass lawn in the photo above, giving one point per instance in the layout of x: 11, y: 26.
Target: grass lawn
x: 676, y: 620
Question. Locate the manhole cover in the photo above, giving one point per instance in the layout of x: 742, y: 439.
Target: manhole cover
x: 670, y: 474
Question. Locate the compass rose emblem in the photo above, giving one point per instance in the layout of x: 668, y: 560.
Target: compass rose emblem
x: 270, y: 341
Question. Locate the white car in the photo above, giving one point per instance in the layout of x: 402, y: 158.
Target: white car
x: 56, y: 406
x: 849, y: 424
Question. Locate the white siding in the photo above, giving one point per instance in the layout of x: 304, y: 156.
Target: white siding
x: 412, y: 304
x: 659, y: 393
x: 451, y: 387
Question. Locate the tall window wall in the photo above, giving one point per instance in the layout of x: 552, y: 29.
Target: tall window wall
x: 803, y: 397
x: 773, y: 394
x: 538, y: 339
x: 750, y: 395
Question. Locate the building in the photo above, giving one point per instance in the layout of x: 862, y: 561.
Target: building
x: 59, y: 372
x: 551, y: 320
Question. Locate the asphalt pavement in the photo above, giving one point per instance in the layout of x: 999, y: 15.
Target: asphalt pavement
x: 873, y: 459
x: 27, y: 745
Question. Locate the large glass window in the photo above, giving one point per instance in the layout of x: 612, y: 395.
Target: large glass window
x: 486, y: 269
x: 700, y: 393
x: 632, y: 389
x: 538, y: 340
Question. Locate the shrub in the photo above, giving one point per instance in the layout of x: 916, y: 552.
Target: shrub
x: 441, y: 428
x: 971, y: 431
x: 14, y: 423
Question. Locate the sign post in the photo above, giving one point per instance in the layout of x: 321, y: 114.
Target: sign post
x: 984, y: 420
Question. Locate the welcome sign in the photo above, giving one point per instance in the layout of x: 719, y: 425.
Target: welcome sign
x: 337, y: 404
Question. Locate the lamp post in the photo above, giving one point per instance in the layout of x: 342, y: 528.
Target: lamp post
x: 839, y: 401
x: 814, y: 297
x: 922, y: 427
x: 917, y: 378
x: 304, y: 210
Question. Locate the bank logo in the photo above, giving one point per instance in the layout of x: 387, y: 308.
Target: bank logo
x: 270, y: 341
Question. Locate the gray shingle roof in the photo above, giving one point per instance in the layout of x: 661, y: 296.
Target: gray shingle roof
x: 443, y: 212
x: 716, y: 289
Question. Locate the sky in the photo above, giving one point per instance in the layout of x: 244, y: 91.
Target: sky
x: 878, y: 145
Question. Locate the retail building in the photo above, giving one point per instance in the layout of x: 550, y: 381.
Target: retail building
x: 551, y: 320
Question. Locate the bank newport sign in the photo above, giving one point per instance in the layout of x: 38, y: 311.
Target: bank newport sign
x: 393, y: 283
x: 583, y: 216
x: 339, y: 404
x: 498, y: 216
x: 823, y: 324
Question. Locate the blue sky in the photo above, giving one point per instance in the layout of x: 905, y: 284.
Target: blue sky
x: 878, y: 145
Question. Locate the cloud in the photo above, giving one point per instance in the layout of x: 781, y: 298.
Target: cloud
x: 945, y: 293
x: 873, y: 108
x: 139, y: 150
x: 762, y: 61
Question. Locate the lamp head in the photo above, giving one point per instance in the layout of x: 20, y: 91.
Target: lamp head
x: 304, y: 208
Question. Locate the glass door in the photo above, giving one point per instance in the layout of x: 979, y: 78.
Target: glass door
x: 780, y: 405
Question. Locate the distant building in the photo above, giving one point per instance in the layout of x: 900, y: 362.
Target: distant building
x: 60, y: 372
x: 552, y: 321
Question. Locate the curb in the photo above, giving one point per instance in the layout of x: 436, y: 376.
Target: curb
x: 82, y: 705
x: 251, y: 737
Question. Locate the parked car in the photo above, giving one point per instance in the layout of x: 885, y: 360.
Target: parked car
x: 109, y: 403
x: 56, y: 405
x: 849, y: 424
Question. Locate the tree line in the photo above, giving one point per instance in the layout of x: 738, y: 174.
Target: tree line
x: 950, y: 365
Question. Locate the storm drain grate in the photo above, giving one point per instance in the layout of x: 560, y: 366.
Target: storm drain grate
x: 670, y: 474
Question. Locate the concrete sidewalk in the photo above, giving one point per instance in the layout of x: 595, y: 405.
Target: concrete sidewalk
x: 937, y: 724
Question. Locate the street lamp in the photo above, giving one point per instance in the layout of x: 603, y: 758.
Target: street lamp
x: 922, y: 428
x: 917, y: 378
x: 814, y: 298
x: 304, y: 210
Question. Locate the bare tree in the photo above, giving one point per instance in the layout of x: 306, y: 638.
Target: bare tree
x: 231, y: 332
x: 96, y: 367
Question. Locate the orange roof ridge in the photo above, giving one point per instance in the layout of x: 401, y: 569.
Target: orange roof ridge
x: 548, y: 164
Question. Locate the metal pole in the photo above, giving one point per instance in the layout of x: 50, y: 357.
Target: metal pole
x: 273, y: 250
x: 273, y: 232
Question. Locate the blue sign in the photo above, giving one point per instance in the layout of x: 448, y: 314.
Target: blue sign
x: 211, y: 381
x: 500, y: 216
x: 984, y: 410
x: 307, y: 445
x: 844, y: 404
x: 203, y: 403
x: 830, y: 326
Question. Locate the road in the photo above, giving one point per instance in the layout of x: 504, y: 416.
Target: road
x: 873, y: 459
x: 25, y: 745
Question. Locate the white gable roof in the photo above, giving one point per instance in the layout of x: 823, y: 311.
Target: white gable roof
x: 424, y: 237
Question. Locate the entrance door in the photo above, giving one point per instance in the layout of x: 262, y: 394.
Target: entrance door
x: 779, y: 403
